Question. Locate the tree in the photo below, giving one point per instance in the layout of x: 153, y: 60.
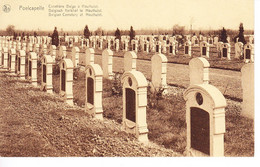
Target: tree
x: 55, y: 37
x: 240, y: 36
x: 132, y: 33
x: 98, y: 31
x: 10, y: 30
x: 223, y: 36
x: 178, y: 29
x: 86, y: 32
x: 118, y: 34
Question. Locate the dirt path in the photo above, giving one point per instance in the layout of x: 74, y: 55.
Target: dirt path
x: 34, y: 123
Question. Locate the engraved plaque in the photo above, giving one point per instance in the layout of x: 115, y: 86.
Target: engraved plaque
x: 19, y: 64
x: 90, y: 91
x: 248, y: 54
x: 224, y: 52
x: 130, y: 104
x: 200, y: 130
x: 157, y: 48
x: 170, y: 49
x: 63, y: 80
x: 44, y: 73
x: 186, y: 49
x: 204, y: 51
x: 30, y: 68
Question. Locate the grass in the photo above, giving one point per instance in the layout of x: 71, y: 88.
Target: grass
x: 166, y: 121
x: 179, y: 58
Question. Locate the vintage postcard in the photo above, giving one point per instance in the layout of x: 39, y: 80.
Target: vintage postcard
x: 127, y: 78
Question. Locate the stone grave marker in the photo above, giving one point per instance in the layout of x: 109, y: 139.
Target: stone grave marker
x: 4, y: 59
x: 93, y: 104
x: 53, y: 52
x: 238, y: 50
x: 199, y: 71
x: 204, y: 49
x: 75, y: 56
x: 107, y: 63
x: 248, y: 90
x: 46, y: 77
x: 248, y: 53
x: 205, y: 120
x: 225, y: 51
x: 12, y: 56
x: 159, y: 71
x: 187, y: 48
x: 89, y: 59
x: 32, y: 68
x: 62, y: 52
x: 66, y: 80
x: 134, y: 86
x: 130, y: 61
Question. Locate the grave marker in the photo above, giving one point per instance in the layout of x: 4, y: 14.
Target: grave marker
x: 204, y: 47
x: 32, y: 68
x: 248, y: 90
x: 249, y: 53
x: 225, y: 51
x: 238, y: 50
x: 159, y: 71
x: 107, y: 63
x: 205, y: 119
x: 46, y: 82
x: 130, y: 61
x: 66, y: 80
x: 94, y: 89
x: 134, y: 104
x: 199, y: 71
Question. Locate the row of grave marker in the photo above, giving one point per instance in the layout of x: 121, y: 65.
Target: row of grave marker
x: 204, y: 102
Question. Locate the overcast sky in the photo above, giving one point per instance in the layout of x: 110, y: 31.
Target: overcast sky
x: 203, y: 14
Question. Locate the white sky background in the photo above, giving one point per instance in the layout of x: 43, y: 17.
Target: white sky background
x: 206, y: 14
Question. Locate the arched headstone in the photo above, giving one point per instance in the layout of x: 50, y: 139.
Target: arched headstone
x: 75, y: 56
x: 249, y: 53
x: 199, y: 71
x: 238, y: 50
x: 46, y: 78
x: 107, y: 63
x: 248, y: 90
x: 12, y: 56
x: 62, y: 52
x: 187, y: 48
x: 134, y: 104
x: 89, y: 59
x: 205, y: 119
x: 159, y: 71
x: 32, y: 68
x: 5, y: 58
x: 66, y: 80
x: 204, y: 48
x: 225, y: 51
x: 130, y: 61
x: 94, y: 88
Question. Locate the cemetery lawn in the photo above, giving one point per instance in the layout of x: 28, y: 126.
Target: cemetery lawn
x: 41, y: 124
x: 214, y: 60
x: 34, y: 123
x: 166, y: 118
